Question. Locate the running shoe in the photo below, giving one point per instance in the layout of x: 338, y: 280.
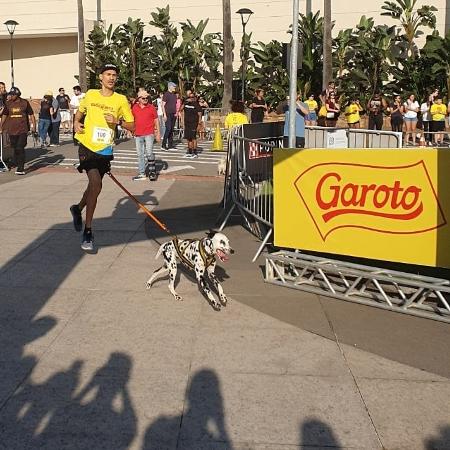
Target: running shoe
x: 76, y: 216
x: 187, y: 155
x: 87, y: 244
x: 139, y: 177
x: 19, y: 172
x: 194, y: 155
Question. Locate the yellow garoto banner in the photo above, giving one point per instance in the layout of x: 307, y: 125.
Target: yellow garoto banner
x: 388, y: 204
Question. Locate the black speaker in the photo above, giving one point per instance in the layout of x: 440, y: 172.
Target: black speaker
x: 287, y: 56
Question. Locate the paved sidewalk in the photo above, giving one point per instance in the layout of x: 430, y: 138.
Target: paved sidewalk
x: 90, y: 359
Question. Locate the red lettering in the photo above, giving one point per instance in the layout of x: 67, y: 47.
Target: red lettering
x: 384, y: 190
x: 339, y: 197
x: 411, y: 190
x: 334, y: 201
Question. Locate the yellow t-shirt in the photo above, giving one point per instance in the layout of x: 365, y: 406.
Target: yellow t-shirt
x: 98, y: 135
x: 352, y: 114
x: 438, y: 112
x: 234, y: 119
x: 312, y: 105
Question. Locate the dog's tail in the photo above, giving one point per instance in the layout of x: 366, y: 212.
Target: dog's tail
x: 161, y: 248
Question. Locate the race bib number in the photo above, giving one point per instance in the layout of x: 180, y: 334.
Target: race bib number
x: 101, y: 135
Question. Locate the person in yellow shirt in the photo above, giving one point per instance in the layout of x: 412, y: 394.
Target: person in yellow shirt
x: 311, y: 117
x: 236, y: 116
x: 352, y: 113
x: 438, y: 111
x: 100, y: 111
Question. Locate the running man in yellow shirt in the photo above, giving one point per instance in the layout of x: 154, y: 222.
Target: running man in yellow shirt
x: 438, y: 111
x: 102, y: 110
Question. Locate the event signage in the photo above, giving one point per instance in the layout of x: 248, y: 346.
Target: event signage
x: 384, y: 204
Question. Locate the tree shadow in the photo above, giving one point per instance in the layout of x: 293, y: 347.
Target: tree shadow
x: 201, y: 424
x: 314, y: 433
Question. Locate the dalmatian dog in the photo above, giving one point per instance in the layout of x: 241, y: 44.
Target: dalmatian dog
x: 198, y: 255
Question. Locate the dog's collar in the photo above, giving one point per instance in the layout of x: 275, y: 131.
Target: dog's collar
x: 207, y: 258
x: 181, y: 248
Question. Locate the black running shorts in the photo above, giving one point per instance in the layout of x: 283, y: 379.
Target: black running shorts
x: 91, y: 160
x: 190, y: 132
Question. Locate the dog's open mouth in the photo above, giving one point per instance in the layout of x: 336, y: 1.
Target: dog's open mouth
x: 222, y: 255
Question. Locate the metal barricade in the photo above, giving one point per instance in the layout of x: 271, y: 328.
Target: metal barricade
x: 249, y: 176
x: 323, y: 137
x: 249, y: 186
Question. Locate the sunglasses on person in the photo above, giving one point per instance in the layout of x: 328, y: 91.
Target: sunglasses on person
x: 144, y: 98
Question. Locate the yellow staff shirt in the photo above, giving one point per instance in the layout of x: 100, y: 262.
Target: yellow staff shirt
x: 438, y: 112
x: 98, y: 134
x: 353, y: 114
x: 312, y: 105
x: 234, y: 119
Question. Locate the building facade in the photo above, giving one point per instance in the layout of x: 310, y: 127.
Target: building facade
x: 46, y: 39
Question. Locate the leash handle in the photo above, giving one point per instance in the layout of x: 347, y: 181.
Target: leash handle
x: 149, y: 214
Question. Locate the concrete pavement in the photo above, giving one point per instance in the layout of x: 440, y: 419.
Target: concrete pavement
x: 90, y: 359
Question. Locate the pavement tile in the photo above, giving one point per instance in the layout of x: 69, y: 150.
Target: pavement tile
x: 409, y: 414
x: 267, y: 351
x: 288, y: 410
x: 368, y: 365
x: 159, y: 346
x: 239, y: 315
x: 140, y: 310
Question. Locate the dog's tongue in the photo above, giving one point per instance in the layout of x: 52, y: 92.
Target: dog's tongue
x: 223, y: 256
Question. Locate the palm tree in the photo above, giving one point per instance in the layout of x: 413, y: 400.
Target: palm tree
x: 82, y: 80
x: 327, y: 44
x: 227, y: 54
x: 410, y: 19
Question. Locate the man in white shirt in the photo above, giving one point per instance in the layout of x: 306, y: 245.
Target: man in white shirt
x: 75, y: 102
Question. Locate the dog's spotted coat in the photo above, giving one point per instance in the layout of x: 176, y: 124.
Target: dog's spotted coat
x: 198, y: 255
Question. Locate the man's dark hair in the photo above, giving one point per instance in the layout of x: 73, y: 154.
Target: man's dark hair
x: 2, y: 83
x: 238, y: 107
x: 61, y: 89
x: 77, y: 88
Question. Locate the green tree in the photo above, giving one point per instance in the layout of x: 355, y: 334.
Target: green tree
x: 268, y: 72
x: 369, y: 64
x: 411, y: 20
x: 436, y: 53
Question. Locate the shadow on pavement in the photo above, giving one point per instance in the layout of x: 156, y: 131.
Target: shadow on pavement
x: 442, y: 442
x: 316, y: 433
x: 203, y: 419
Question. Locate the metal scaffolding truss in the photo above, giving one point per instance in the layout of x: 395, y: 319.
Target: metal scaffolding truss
x: 407, y: 293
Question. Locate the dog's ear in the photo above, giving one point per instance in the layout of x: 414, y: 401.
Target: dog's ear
x: 210, y: 233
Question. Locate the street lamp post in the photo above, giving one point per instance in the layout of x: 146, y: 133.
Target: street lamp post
x: 245, y: 14
x: 11, y: 26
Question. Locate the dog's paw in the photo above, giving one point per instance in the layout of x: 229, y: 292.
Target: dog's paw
x: 223, y: 299
x: 216, y: 305
x: 178, y: 298
x: 148, y: 285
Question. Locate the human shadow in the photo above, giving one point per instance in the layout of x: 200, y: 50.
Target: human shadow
x: 201, y: 424
x: 52, y: 415
x: 441, y: 442
x: 315, y: 433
